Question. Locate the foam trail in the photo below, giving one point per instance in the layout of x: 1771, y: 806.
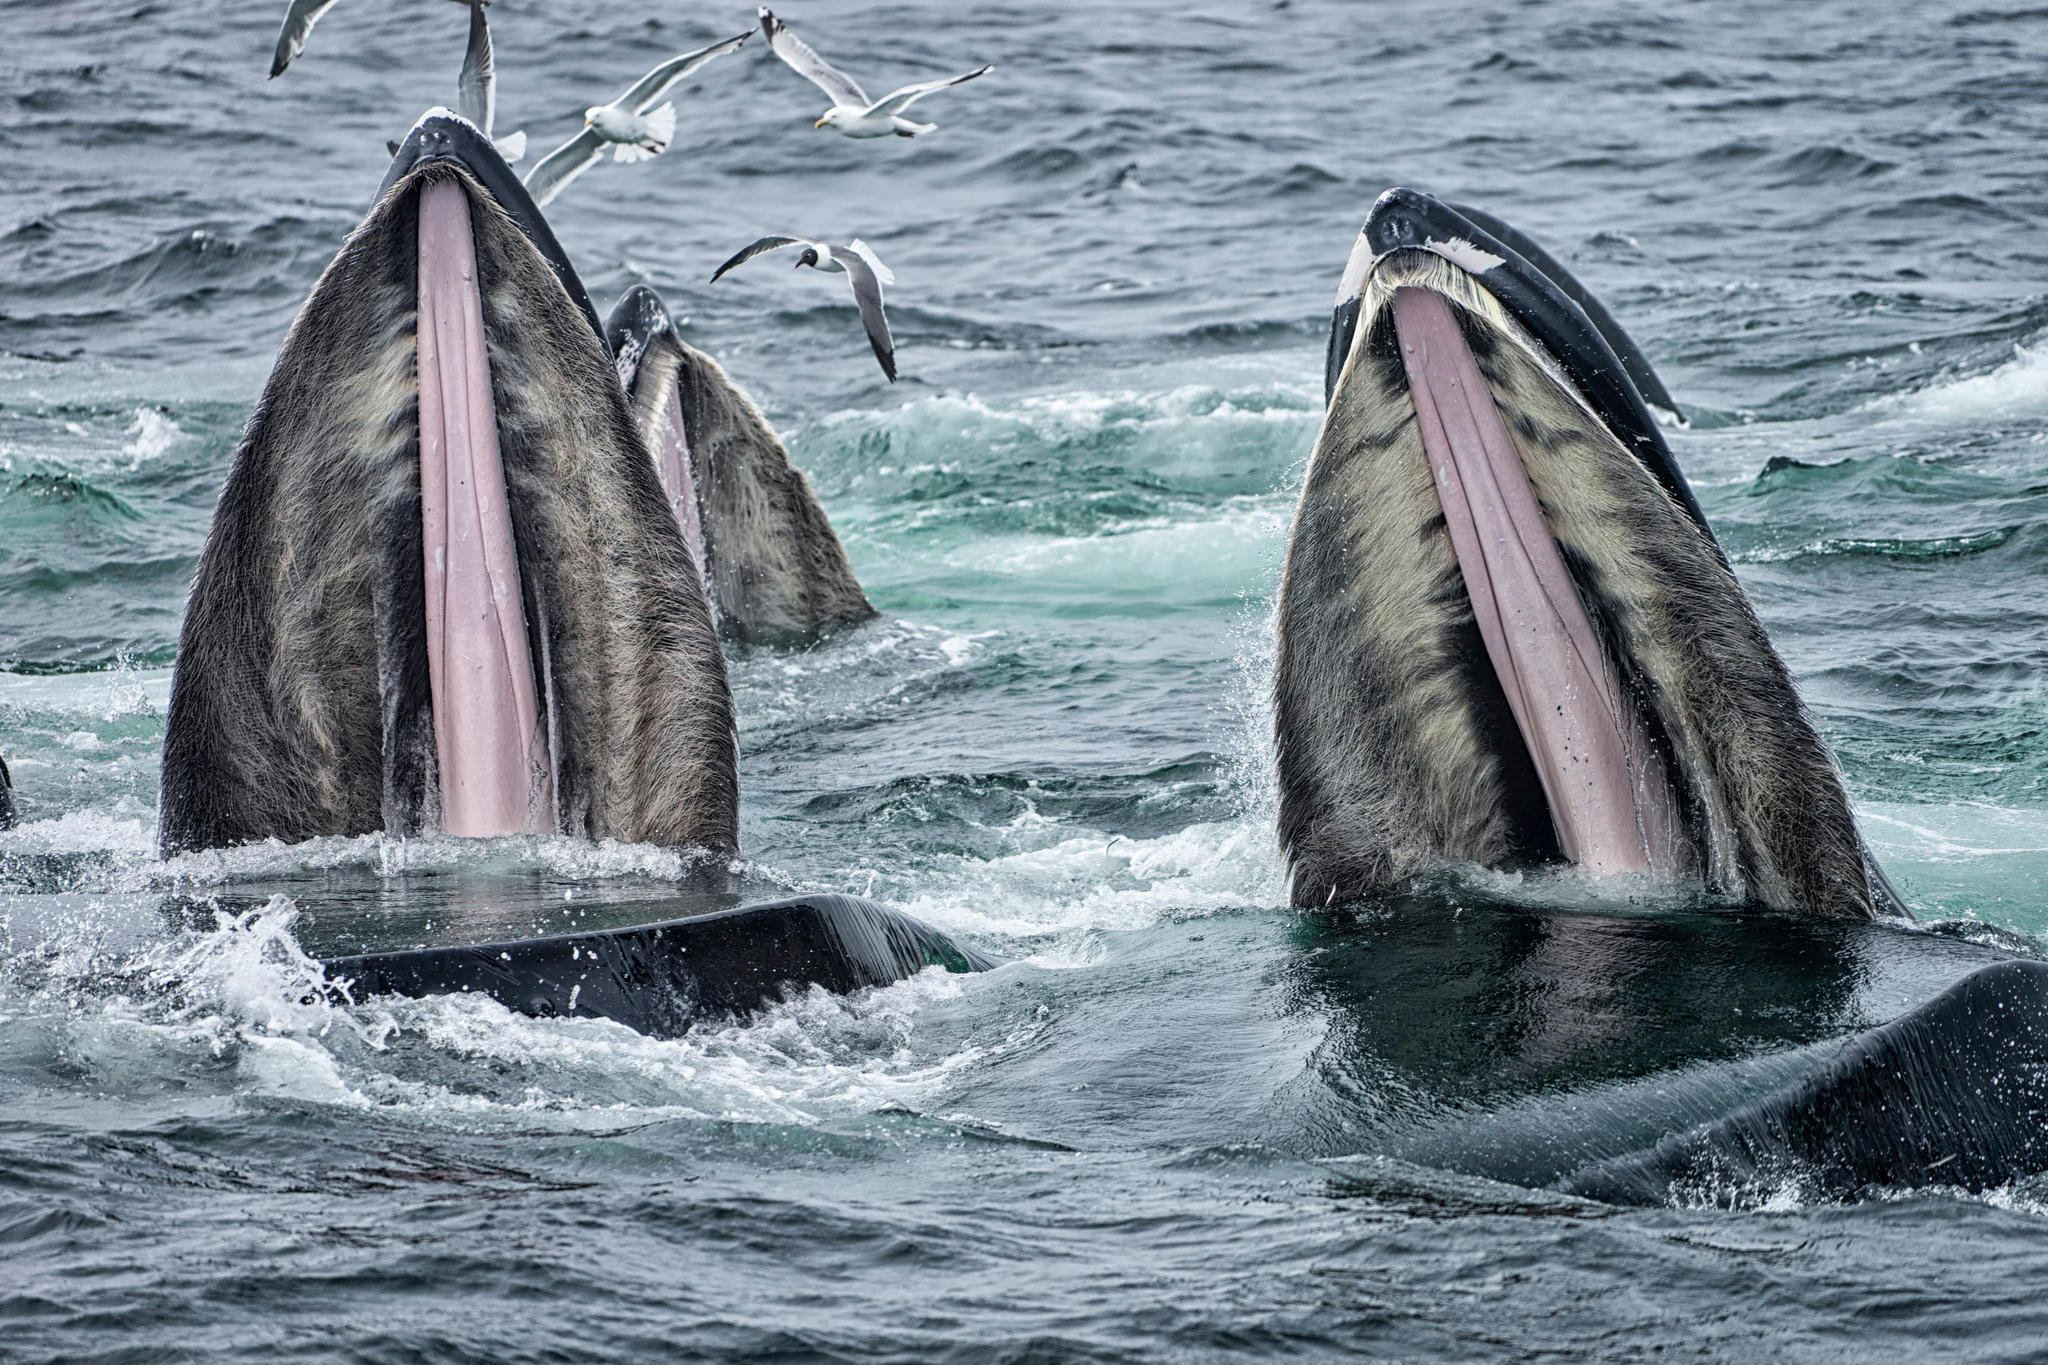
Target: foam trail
x: 2015, y: 391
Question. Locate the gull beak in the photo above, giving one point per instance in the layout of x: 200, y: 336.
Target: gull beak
x: 819, y: 124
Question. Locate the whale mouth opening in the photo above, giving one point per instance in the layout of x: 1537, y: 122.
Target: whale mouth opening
x: 1577, y: 725
x: 490, y: 751
x: 1505, y: 633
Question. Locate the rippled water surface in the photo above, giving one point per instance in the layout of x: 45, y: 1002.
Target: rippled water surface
x: 1183, y: 1123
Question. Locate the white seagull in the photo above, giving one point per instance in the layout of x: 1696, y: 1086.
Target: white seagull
x: 476, y: 91
x: 852, y: 112
x: 863, y: 270
x: 627, y: 125
x: 299, y: 19
x: 291, y: 38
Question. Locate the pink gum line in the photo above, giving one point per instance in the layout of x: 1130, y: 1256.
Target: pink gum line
x: 1589, y: 754
x: 486, y: 718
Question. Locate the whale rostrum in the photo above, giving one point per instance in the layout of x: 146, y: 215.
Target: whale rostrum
x: 1506, y: 634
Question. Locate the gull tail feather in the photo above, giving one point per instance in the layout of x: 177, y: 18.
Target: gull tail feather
x: 661, y: 130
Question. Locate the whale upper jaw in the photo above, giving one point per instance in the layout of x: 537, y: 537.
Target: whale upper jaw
x: 1506, y: 634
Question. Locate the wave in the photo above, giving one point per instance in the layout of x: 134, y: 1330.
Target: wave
x: 2016, y: 390
x: 239, y: 1007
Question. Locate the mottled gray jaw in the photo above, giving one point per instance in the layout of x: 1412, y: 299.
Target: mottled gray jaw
x: 493, y: 768
x: 1611, y: 801
x: 1505, y: 636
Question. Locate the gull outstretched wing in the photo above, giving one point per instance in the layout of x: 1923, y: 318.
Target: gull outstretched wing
x: 291, y: 38
x: 842, y: 88
x: 564, y: 164
x: 867, y: 295
x: 476, y: 90
x: 896, y: 101
x: 655, y: 83
x: 753, y: 249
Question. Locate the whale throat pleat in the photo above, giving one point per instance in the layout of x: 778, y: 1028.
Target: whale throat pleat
x: 486, y: 712
x: 1610, y: 801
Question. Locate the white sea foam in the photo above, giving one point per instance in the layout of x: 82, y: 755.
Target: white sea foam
x: 116, y: 694
x: 2015, y: 390
x: 1231, y: 545
x: 1085, y: 883
x: 244, y: 994
x: 153, y: 434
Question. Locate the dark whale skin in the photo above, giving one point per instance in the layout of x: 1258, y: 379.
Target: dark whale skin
x: 1953, y: 1093
x: 660, y: 978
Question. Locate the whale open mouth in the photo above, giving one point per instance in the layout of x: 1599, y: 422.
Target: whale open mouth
x: 1506, y: 634
x: 488, y: 673
x: 492, y: 759
x: 444, y: 590
x: 1611, y: 803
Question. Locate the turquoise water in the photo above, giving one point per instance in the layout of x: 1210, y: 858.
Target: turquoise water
x: 1184, y: 1123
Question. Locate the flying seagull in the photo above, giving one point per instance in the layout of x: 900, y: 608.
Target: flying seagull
x: 298, y: 23
x: 863, y: 270
x: 626, y: 125
x: 852, y: 112
x: 476, y: 91
x: 291, y: 39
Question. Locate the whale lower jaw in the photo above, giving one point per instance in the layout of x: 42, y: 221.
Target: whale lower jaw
x: 444, y: 590
x: 773, y: 568
x: 1502, y: 640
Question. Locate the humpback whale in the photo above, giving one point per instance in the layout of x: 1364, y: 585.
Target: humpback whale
x: 773, y: 568
x: 6, y: 796
x: 443, y: 589
x: 1506, y: 634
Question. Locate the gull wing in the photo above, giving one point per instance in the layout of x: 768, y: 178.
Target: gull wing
x: 867, y: 253
x: 842, y: 88
x: 749, y: 252
x: 564, y: 164
x: 476, y: 91
x: 655, y: 83
x: 897, y: 100
x: 867, y: 293
x: 291, y: 38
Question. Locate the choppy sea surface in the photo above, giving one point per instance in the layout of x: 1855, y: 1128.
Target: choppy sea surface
x: 1184, y: 1123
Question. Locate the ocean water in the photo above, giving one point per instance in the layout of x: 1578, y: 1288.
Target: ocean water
x: 1184, y: 1123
